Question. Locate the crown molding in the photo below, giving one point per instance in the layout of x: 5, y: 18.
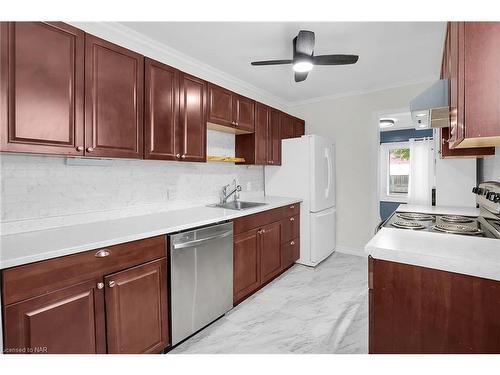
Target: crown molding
x: 428, y: 79
x: 115, y: 32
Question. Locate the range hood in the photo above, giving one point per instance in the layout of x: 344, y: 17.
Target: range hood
x: 431, y: 109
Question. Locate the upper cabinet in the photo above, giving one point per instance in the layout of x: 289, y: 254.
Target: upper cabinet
x: 175, y: 114
x: 113, y: 100
x: 470, y: 62
x: 299, y: 128
x: 274, y: 138
x: 287, y: 126
x: 228, y: 111
x: 41, y: 88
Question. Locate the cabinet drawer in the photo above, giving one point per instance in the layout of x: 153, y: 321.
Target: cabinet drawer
x: 290, y: 252
x: 34, y: 279
x: 291, y: 210
x: 290, y: 228
x: 246, y: 223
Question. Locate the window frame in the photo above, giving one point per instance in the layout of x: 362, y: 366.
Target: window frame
x: 384, y: 171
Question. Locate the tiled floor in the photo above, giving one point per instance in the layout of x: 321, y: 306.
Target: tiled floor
x: 321, y: 310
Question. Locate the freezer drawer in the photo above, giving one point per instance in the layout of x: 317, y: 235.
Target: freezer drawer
x: 322, y: 234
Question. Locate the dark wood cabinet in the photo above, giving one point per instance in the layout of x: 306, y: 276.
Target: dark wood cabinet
x: 290, y: 252
x: 299, y: 128
x: 113, y: 100
x: 41, y: 88
x: 253, y: 147
x: 136, y: 307
x: 420, y: 310
x: 274, y: 138
x: 473, y: 89
x: 231, y: 112
x: 246, y: 265
x: 78, y: 303
x: 69, y: 320
x: 192, y: 118
x: 270, y: 251
x: 287, y: 126
x: 161, y: 111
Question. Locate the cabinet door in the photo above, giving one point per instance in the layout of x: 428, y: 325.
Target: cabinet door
x: 113, y: 100
x: 244, y: 113
x: 291, y: 252
x: 220, y: 105
x: 287, y: 129
x: 41, y: 88
x: 192, y: 118
x: 136, y: 309
x: 246, y: 265
x: 69, y: 320
x: 270, y: 251
x: 274, y: 138
x: 261, y: 133
x: 482, y: 81
x: 161, y: 87
x: 299, y: 128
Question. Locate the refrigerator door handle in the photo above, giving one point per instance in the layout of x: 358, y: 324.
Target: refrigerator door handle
x: 329, y: 165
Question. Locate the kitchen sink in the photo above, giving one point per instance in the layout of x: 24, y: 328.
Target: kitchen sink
x: 237, y: 205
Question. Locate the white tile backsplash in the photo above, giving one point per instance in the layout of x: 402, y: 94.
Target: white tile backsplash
x: 491, y: 167
x: 39, y: 192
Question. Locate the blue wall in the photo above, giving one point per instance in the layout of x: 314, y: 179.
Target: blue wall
x: 403, y: 135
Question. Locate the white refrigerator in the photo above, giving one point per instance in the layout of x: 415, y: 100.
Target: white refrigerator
x: 307, y: 171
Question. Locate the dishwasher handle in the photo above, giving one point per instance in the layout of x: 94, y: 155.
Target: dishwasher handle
x: 192, y: 243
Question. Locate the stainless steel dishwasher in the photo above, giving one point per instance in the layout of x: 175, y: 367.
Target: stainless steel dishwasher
x: 201, y: 269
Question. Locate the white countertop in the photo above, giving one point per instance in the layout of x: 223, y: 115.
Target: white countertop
x: 475, y: 256
x: 442, y: 210
x: 27, y: 247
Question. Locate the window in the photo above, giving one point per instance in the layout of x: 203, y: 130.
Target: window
x: 395, y: 171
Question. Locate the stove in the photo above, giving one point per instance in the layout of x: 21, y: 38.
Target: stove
x: 486, y: 225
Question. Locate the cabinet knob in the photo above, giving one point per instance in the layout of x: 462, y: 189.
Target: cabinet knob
x: 79, y: 148
x: 100, y: 285
x: 292, y: 206
x: 90, y: 149
x: 178, y: 156
x: 183, y: 156
x: 236, y: 123
x: 292, y: 219
x: 292, y: 243
x: 111, y: 284
x: 102, y: 253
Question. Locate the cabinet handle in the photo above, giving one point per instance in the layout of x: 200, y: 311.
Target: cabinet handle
x: 100, y: 285
x: 236, y: 124
x: 90, y: 149
x: 292, y: 219
x: 292, y: 243
x: 292, y: 207
x: 79, y: 148
x: 178, y: 156
x: 111, y: 284
x: 183, y: 156
x: 102, y: 253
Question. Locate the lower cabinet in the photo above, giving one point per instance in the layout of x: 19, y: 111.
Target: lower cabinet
x: 260, y: 252
x: 111, y: 300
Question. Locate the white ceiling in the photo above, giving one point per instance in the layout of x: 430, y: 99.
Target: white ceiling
x: 391, y: 53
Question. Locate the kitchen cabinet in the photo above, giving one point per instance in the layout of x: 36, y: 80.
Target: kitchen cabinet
x: 274, y: 138
x: 230, y: 112
x: 41, y: 88
x: 254, y: 147
x: 299, y: 128
x: 473, y: 88
x: 135, y: 309
x: 175, y: 114
x: 260, y: 252
x: 287, y: 126
x: 420, y: 310
x: 113, y: 100
x: 110, y: 300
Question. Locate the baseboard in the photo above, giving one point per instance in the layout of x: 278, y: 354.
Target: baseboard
x: 351, y: 251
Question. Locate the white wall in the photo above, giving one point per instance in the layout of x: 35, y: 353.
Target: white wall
x: 350, y: 123
x: 44, y: 191
x: 491, y: 167
x: 455, y: 179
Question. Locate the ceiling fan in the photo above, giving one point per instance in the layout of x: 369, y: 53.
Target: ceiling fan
x: 304, y: 59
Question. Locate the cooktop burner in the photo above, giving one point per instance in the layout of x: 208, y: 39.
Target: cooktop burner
x: 457, y: 229
x: 415, y: 216
x: 407, y: 224
x: 456, y: 219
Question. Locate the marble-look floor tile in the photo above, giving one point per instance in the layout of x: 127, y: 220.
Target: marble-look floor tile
x: 305, y: 310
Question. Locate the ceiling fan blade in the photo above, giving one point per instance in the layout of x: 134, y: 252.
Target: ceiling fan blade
x: 271, y: 62
x: 335, y: 59
x: 300, y: 76
x: 304, y: 43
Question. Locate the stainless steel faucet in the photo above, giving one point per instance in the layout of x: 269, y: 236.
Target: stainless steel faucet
x: 225, y: 195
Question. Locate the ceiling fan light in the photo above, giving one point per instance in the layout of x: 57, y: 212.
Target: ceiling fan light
x: 302, y: 66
